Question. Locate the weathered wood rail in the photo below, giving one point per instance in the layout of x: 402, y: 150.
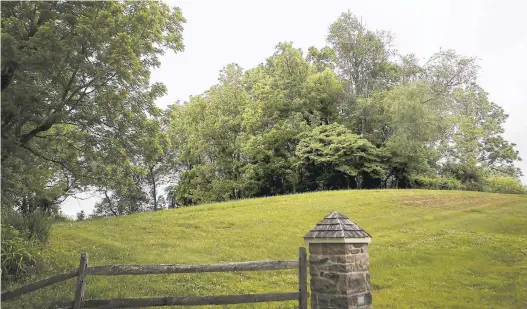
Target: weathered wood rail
x: 115, y: 270
x: 7, y: 295
x: 185, y: 301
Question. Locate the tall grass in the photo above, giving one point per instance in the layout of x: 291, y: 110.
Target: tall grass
x: 22, y: 239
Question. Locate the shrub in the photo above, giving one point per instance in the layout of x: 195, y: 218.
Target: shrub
x: 437, y: 183
x: 473, y: 185
x: 34, y: 226
x: 22, y: 239
x: 502, y: 184
x: 18, y: 253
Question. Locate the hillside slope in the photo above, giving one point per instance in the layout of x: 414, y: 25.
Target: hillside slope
x: 430, y: 249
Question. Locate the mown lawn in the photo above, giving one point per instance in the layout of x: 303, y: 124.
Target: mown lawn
x: 430, y: 249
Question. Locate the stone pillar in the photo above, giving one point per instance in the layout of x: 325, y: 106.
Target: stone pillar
x: 339, y: 264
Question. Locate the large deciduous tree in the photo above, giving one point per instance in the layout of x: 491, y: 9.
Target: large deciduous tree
x: 332, y: 157
x: 363, y: 56
x: 476, y: 147
x: 76, y: 89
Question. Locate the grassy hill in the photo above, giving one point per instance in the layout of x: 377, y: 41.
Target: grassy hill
x: 430, y: 249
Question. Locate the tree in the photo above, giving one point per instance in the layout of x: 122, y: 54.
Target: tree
x: 353, y: 115
x: 322, y: 59
x: 407, y: 121
x: 125, y: 201
x: 238, y: 139
x: 75, y: 90
x: 332, y: 157
x: 206, y: 133
x: 361, y: 54
x: 446, y: 71
x: 476, y: 147
x: 75, y: 84
x: 81, y: 215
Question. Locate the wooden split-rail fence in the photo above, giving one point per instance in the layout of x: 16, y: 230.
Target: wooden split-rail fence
x: 113, y: 270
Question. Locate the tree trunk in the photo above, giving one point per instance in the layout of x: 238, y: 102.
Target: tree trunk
x: 154, y: 189
x: 110, y: 204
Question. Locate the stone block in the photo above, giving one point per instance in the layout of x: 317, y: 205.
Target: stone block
x: 337, y: 267
x: 331, y: 276
x: 319, y: 301
x: 316, y: 249
x: 322, y: 285
x: 348, y: 266
x: 316, y: 264
x: 342, y: 259
x: 318, y: 259
x: 332, y: 249
x: 368, y: 297
x: 357, y: 262
x: 339, y: 302
x: 362, y: 247
x: 356, y: 283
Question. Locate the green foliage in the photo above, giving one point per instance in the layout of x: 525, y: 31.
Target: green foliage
x: 331, y: 157
x: 79, y: 113
x: 34, y: 226
x: 76, y: 92
x: 238, y: 139
x: 18, y: 253
x: 362, y: 55
x: 478, y: 140
x: 78, y: 110
x: 502, y: 184
x: 321, y: 59
x: 22, y: 238
x: 292, y: 124
x: 437, y: 183
x: 447, y: 71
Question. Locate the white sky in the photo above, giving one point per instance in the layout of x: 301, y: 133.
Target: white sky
x: 246, y: 32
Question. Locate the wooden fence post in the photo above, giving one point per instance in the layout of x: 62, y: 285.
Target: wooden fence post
x: 302, y: 278
x: 81, y: 273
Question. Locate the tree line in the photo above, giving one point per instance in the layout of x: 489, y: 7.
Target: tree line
x: 355, y: 114
x: 79, y: 114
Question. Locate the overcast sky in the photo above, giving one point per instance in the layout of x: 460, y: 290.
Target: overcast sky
x: 246, y: 32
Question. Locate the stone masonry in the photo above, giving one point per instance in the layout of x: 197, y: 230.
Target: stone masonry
x: 339, y: 264
x: 340, y: 275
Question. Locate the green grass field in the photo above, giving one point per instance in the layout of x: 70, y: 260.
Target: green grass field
x: 430, y: 249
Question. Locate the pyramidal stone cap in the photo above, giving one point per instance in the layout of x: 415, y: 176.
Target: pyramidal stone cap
x: 337, y: 228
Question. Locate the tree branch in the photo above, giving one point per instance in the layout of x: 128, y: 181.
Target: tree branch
x: 110, y: 203
x: 45, y: 158
x: 48, y: 123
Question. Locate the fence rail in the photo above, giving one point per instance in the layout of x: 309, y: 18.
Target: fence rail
x: 186, y: 301
x: 7, y: 295
x: 116, y: 270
